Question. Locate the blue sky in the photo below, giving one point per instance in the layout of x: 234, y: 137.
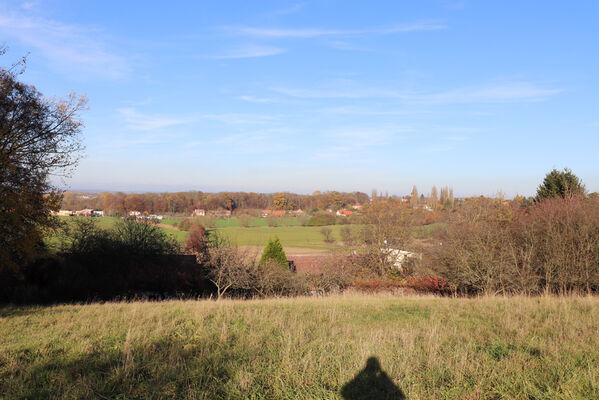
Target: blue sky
x: 328, y: 95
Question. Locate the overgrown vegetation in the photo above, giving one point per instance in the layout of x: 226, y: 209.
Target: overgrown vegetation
x: 550, y: 247
x: 132, y: 259
x: 430, y: 348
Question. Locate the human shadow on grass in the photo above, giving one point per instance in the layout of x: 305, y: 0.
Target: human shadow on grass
x: 372, y: 383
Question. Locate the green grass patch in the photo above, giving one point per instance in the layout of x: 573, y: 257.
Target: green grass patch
x: 427, y: 231
x: 172, y: 220
x: 291, y: 236
x: 304, y: 348
x: 256, y: 222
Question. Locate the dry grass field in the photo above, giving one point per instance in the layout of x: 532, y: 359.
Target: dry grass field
x: 304, y: 348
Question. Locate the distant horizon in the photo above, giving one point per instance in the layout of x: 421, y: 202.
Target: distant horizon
x: 177, y: 189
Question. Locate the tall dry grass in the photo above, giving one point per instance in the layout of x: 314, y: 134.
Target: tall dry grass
x: 432, y: 348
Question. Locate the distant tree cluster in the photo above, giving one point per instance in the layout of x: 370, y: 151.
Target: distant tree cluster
x: 114, y: 203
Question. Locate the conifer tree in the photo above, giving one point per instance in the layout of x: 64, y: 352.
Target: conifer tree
x: 560, y: 184
x: 274, y: 252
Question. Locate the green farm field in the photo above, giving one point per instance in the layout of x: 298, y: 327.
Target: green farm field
x: 308, y: 237
x: 304, y: 348
x: 292, y: 236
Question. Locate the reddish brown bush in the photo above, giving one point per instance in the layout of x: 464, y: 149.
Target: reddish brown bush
x: 428, y: 284
x: 195, y: 243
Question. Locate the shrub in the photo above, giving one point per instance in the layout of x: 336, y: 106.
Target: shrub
x: 128, y: 238
x: 302, y: 220
x: 186, y: 224
x: 230, y: 269
x: 272, y: 221
x: 327, y: 233
x: 431, y: 217
x: 342, y: 220
x: 335, y: 274
x: 196, y: 243
x: 273, y: 252
x: 245, y: 220
x: 321, y: 220
x: 143, y: 238
x: 428, y: 284
x: 272, y: 280
x: 347, y: 236
x: 287, y: 221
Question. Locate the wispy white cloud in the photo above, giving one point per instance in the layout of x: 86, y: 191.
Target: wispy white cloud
x: 346, y: 45
x: 28, y: 5
x: 336, y: 91
x: 491, y: 93
x: 306, y: 33
x: 71, y: 48
x: 253, y: 99
x: 267, y: 140
x: 494, y: 93
x: 250, y: 51
x: 354, y: 142
x: 370, y: 110
x: 146, y: 121
x: 137, y: 121
x: 365, y: 137
x: 240, y: 118
x: 457, y: 138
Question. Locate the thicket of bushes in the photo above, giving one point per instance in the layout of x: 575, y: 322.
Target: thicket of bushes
x: 550, y: 247
x: 133, y: 259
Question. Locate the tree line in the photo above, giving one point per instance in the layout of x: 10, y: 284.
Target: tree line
x: 185, y: 202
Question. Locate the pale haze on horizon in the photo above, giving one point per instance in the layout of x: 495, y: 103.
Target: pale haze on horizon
x: 303, y: 96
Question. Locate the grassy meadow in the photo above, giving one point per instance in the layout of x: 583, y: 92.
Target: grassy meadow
x: 290, y: 236
x: 304, y: 348
x: 308, y: 237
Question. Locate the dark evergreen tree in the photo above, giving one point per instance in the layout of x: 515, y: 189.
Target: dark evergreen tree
x: 560, y: 184
x: 273, y: 252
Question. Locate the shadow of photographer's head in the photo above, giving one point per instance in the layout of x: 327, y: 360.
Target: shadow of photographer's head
x: 372, y: 383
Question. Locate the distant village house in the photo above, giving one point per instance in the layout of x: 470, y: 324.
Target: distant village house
x: 344, y: 213
x: 198, y: 212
